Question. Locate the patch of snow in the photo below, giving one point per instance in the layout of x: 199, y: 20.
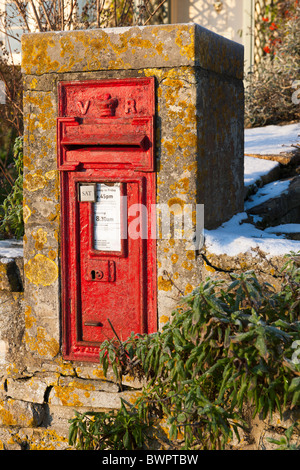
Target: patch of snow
x: 271, y: 140
x: 284, y: 228
x: 10, y: 249
x: 237, y: 236
x: 270, y: 190
x: 255, y: 168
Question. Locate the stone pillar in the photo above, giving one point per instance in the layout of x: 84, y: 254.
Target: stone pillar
x: 199, y: 147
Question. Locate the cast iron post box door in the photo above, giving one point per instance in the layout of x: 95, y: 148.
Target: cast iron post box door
x: 106, y: 158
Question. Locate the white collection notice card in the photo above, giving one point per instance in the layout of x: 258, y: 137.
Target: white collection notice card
x: 107, y: 217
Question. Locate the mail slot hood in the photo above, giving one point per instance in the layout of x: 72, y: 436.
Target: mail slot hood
x: 111, y: 120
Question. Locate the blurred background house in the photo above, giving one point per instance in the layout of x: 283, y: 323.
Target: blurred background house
x: 238, y: 20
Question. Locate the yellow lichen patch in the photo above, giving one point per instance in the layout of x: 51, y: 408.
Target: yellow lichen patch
x: 119, y: 63
x: 29, y: 319
x: 98, y: 373
x: 28, y: 161
x: 6, y: 417
x: 190, y: 116
x: 33, y: 83
x: 12, y: 369
x: 139, y: 42
x: 181, y: 186
x: 56, y: 235
x: 67, y: 50
x: 42, y: 343
x: 52, y: 254
x: 34, y: 182
x: 121, y: 46
x: 164, y: 319
x: 41, y: 270
x: 159, y: 48
x: 169, y: 147
x: 191, y: 255
x: 187, y: 265
x: 209, y: 268
x: 176, y: 205
x: 13, y: 413
x: 184, y: 137
x: 50, y: 175
x: 45, y: 119
x: 53, y: 216
x: 188, y: 289
x: 46, y: 440
x: 187, y: 47
x: 134, y: 396
x: 174, y: 86
x: 67, y: 396
x: 164, y: 284
x: 35, y: 57
x: 40, y: 238
x: 3, y: 272
x: 174, y: 258
x: 26, y: 213
x: 64, y: 368
x: 191, y: 166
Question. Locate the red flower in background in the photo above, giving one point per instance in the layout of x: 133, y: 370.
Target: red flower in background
x: 267, y: 49
x: 273, y: 26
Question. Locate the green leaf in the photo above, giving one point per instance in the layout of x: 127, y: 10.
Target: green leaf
x: 182, y: 418
x: 214, y: 304
x: 295, y: 385
x: 126, y: 440
x: 196, y: 316
x: 173, y: 431
x: 239, y: 337
x: 296, y: 398
x: 115, y: 371
x: 278, y: 442
x: 261, y: 346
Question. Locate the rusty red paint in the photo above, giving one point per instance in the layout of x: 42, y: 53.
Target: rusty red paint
x: 105, y: 135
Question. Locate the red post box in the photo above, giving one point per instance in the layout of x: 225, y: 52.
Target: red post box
x: 105, y: 136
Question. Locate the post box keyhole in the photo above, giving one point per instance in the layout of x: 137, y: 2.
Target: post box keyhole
x: 96, y: 275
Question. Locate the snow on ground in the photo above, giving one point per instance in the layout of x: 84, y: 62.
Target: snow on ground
x: 272, y: 140
x: 234, y: 237
x: 255, y: 168
x: 270, y: 190
x: 10, y: 249
x: 284, y: 228
x: 238, y: 236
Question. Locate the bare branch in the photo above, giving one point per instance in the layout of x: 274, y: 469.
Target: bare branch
x: 69, y: 20
x: 155, y: 11
x: 38, y: 21
x: 46, y: 15
x: 124, y: 14
x: 98, y: 13
x: 115, y: 11
x: 9, y: 35
x: 22, y: 13
x: 62, y: 13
